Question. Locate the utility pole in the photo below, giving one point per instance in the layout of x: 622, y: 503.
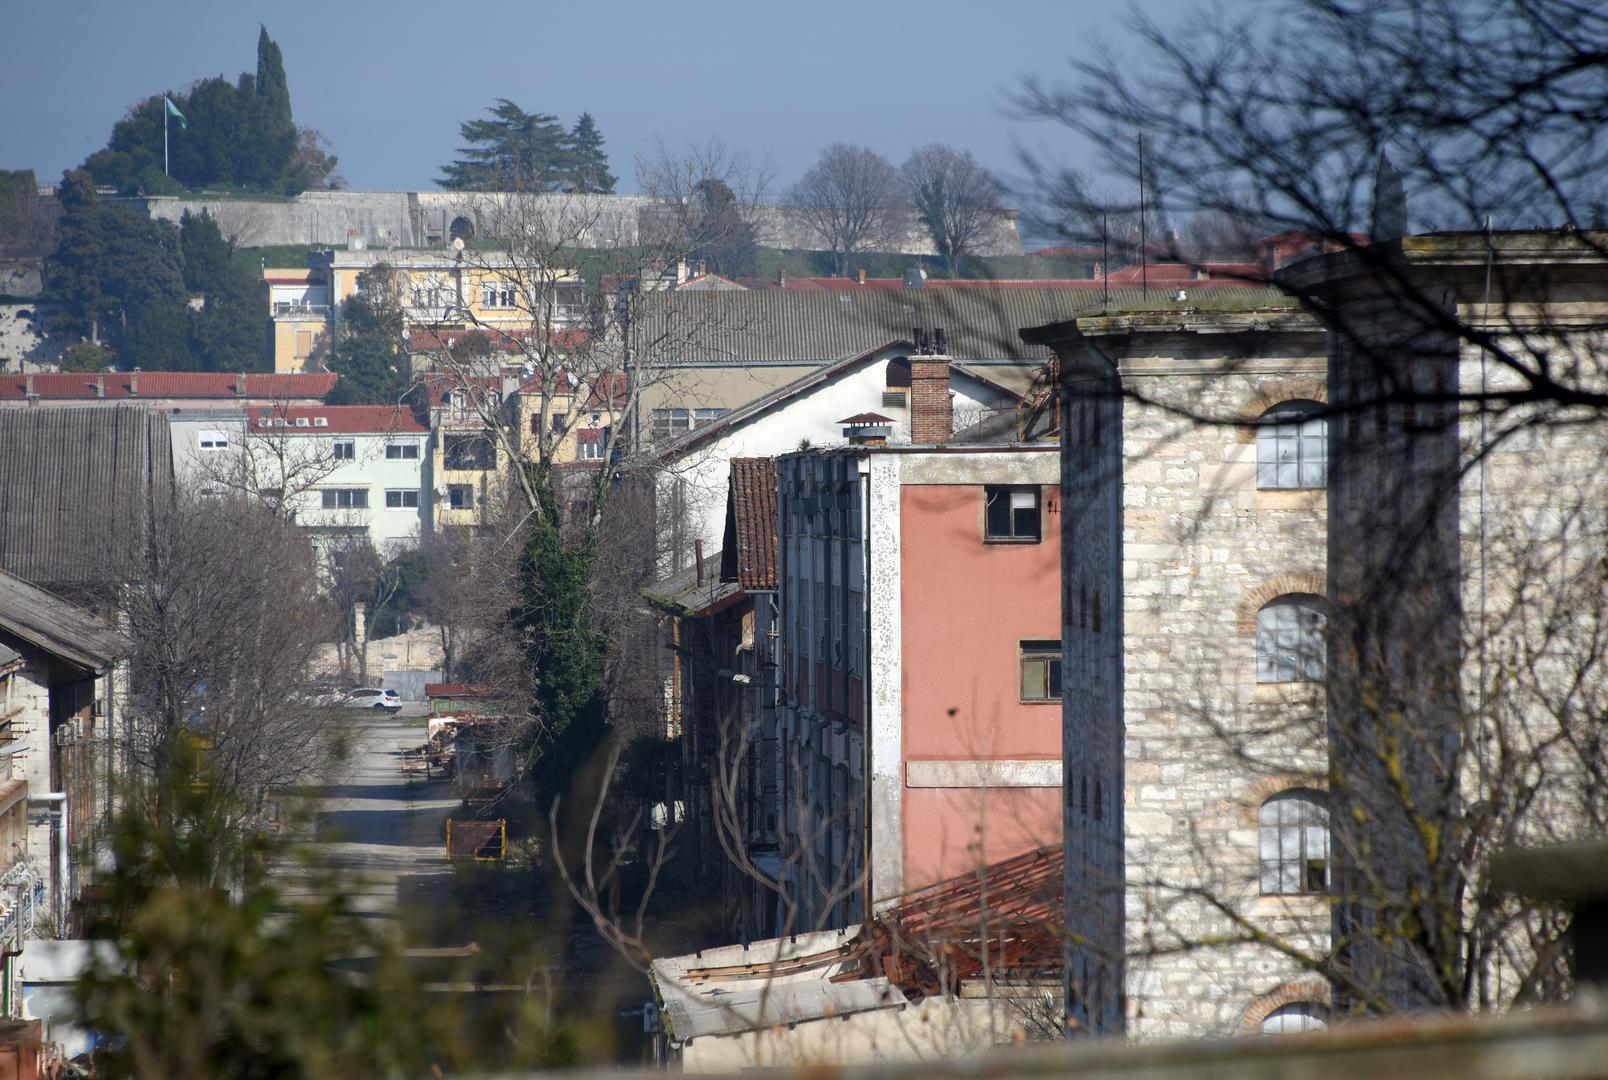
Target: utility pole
x: 1144, y: 247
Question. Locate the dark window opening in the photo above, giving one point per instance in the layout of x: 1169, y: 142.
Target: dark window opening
x: 1012, y: 513
x: 468, y: 452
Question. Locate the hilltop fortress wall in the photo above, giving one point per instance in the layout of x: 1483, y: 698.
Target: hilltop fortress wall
x: 413, y: 219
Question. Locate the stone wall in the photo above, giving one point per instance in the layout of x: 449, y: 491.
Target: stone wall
x: 23, y: 340
x: 1170, y: 544
x: 422, y: 219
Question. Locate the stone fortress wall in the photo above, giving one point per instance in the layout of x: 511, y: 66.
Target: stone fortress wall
x: 413, y: 219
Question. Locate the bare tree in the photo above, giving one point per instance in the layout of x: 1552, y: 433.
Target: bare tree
x: 955, y: 198
x: 853, y: 199
x: 223, y: 610
x: 1466, y: 400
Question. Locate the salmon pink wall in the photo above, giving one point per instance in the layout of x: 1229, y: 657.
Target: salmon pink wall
x: 966, y: 606
x: 953, y: 831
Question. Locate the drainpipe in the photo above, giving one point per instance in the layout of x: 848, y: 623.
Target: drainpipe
x: 58, y: 799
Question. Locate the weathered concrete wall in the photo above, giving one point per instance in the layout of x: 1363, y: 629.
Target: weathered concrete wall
x: 420, y: 219
x: 23, y: 340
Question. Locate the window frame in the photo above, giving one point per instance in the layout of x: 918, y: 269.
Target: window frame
x: 212, y: 439
x: 1313, y: 1016
x: 356, y: 498
x: 1292, y: 653
x: 402, y: 449
x: 1045, y: 652
x: 343, y: 449
x: 454, y: 503
x: 453, y: 452
x: 402, y: 494
x: 1292, y: 872
x: 1013, y: 528
x: 1300, y: 428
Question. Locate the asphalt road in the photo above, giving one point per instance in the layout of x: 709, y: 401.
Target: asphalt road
x: 376, y: 829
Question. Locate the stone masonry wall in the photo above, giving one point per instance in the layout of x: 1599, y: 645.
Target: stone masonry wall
x: 1202, y: 548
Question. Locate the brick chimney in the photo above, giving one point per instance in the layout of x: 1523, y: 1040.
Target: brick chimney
x: 240, y: 384
x: 862, y: 275
x: 932, y: 413
x: 134, y: 383
x: 100, y: 386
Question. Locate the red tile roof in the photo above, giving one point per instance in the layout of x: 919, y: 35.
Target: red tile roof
x: 70, y: 386
x: 749, y: 555
x: 342, y: 419
x: 1177, y: 273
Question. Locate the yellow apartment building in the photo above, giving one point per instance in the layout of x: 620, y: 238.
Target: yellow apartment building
x: 445, y: 288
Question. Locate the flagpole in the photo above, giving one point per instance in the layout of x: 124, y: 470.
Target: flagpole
x: 165, y: 171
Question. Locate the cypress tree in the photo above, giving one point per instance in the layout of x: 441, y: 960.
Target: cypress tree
x: 275, y: 127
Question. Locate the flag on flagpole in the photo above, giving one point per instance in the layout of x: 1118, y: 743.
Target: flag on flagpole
x: 173, y: 111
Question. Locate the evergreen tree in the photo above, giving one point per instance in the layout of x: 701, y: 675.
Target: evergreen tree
x: 158, y: 339
x: 723, y: 240
x: 206, y: 253
x: 588, y: 171
x: 276, y: 130
x: 141, y: 265
x: 512, y: 149
x: 73, y: 273
x: 240, y: 134
x: 230, y: 333
x: 368, y: 358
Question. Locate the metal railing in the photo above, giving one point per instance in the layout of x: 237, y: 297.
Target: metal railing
x: 290, y: 309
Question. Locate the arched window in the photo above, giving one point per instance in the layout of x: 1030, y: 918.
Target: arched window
x: 1292, y: 446
x: 1289, y: 639
x: 1293, y: 828
x: 461, y: 229
x: 1296, y: 1016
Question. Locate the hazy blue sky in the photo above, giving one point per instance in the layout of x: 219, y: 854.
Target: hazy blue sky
x: 389, y: 83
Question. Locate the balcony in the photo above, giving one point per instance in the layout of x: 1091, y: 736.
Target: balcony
x: 291, y: 309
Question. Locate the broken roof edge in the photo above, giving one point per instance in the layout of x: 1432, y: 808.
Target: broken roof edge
x: 57, y: 626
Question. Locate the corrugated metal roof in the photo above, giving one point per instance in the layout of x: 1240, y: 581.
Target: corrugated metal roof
x: 74, y: 483
x: 803, y: 326
x: 56, y: 626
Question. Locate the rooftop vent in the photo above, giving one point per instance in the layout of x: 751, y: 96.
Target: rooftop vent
x: 321, y: 421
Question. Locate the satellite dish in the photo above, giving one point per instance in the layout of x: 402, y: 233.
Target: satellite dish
x: 457, y: 243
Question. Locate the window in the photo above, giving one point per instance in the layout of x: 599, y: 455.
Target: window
x: 700, y: 417
x: 1012, y: 513
x: 1296, y: 1016
x: 1292, y: 447
x: 402, y: 499
x: 589, y: 443
x: 468, y: 452
x: 1294, y: 835
x: 569, y: 302
x: 1290, y: 639
x: 408, y: 451
x: 1041, y: 671
x: 345, y: 498
x: 461, y: 496
x: 670, y: 424
x: 459, y: 402
x: 214, y: 440
x: 497, y: 294
x: 344, y: 449
x: 304, y: 344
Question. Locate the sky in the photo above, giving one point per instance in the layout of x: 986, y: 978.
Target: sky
x: 389, y: 83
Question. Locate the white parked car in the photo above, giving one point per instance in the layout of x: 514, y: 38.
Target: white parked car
x: 369, y: 697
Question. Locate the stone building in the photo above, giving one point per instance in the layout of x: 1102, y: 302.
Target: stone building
x: 1332, y: 594
x: 1192, y: 578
